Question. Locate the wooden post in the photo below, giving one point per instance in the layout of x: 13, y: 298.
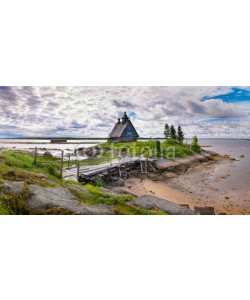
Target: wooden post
x: 69, y: 160
x: 120, y: 173
x: 61, y: 169
x: 35, y: 156
x: 78, y: 171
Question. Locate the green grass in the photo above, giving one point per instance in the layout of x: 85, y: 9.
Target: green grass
x: 20, y: 161
x: 168, y: 149
x: 97, y: 197
x: 131, y: 210
x: 3, y: 210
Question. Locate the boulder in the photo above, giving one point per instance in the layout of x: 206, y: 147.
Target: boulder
x: 164, y: 164
x: 152, y: 202
x: 99, y: 209
x: 180, y: 170
x: 46, y: 197
x: 204, y: 210
x: 12, y: 187
x: 188, y: 162
x: 92, y: 152
x: 48, y: 154
x: 208, y: 156
x: 200, y: 158
x: 212, y: 153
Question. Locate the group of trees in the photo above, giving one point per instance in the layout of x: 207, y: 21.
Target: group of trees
x: 170, y: 132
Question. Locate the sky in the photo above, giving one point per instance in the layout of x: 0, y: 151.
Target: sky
x: 208, y: 112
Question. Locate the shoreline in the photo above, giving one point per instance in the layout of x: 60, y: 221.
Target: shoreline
x: 204, y: 185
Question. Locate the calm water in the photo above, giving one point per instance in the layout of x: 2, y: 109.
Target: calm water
x: 239, y: 170
x: 42, y: 145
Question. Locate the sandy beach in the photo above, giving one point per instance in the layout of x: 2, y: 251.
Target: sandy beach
x: 209, y: 184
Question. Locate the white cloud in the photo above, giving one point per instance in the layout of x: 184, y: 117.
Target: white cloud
x: 92, y: 111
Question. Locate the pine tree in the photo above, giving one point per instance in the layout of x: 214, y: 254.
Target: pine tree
x: 173, y: 132
x: 195, y: 145
x: 167, y: 131
x: 180, y: 135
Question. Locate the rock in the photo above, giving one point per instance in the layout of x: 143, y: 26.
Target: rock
x: 92, y: 152
x: 164, y: 164
x: 208, y: 156
x: 188, y: 162
x: 242, y: 156
x: 100, y: 209
x: 200, y: 157
x: 212, y: 153
x: 180, y: 170
x: 152, y: 202
x: 45, y: 197
x: 119, y: 182
x: 48, y: 154
x: 185, y: 205
x: 12, y: 187
x: 78, y: 188
x: 204, y: 210
x: 169, y: 175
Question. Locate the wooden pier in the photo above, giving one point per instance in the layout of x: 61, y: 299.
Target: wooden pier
x: 90, y: 171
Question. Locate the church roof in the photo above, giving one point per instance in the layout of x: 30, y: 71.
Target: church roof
x: 120, y: 127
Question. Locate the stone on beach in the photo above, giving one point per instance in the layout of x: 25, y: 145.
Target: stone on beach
x: 164, y: 164
x: 204, y: 210
x: 152, y: 202
x: 200, y: 158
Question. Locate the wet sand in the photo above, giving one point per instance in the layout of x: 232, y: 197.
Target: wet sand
x: 208, y: 184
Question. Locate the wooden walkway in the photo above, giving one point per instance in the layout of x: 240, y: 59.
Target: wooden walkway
x: 72, y: 173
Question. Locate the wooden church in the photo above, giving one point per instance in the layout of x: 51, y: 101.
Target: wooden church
x: 123, y: 131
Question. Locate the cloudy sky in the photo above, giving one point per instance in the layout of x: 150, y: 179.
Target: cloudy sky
x: 92, y: 111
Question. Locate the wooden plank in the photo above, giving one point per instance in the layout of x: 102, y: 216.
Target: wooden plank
x: 97, y: 169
